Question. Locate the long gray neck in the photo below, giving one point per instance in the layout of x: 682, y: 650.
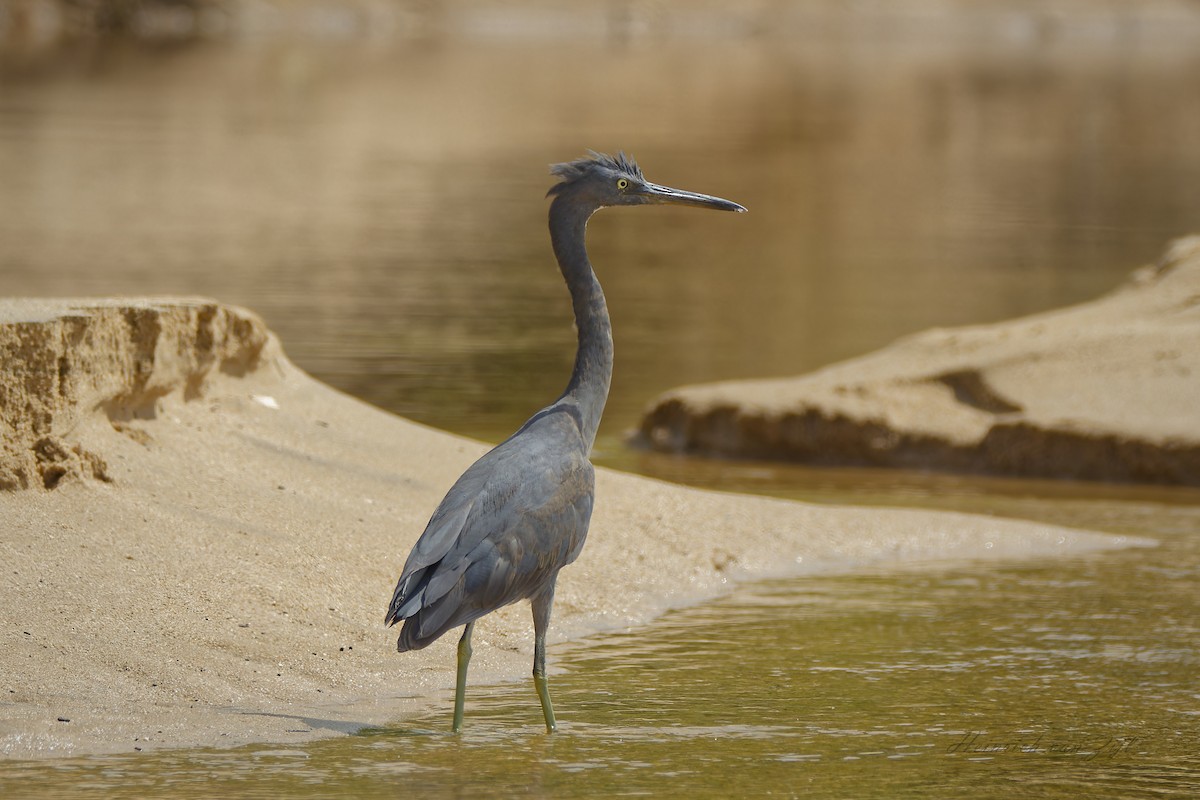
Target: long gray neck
x: 594, y: 358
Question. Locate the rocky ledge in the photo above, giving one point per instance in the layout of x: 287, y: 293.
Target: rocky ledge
x: 1108, y: 390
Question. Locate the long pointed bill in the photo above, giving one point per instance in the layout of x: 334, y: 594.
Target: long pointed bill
x: 664, y: 194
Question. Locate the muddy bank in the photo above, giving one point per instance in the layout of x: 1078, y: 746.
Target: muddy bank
x: 1106, y: 390
x: 200, y: 540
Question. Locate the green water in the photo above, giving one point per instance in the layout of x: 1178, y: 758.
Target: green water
x: 1074, y: 678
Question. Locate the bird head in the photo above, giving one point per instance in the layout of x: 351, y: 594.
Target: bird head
x: 601, y: 180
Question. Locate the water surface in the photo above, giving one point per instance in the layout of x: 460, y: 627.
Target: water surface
x: 381, y: 205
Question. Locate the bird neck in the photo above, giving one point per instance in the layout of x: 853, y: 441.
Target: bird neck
x: 592, y: 374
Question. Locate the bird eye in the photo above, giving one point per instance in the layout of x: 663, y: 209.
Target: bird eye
x: 622, y: 184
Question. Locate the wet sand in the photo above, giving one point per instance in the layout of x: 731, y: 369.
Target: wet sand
x: 200, y: 540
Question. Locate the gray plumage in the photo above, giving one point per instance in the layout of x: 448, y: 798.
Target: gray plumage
x: 520, y: 513
x: 506, y: 527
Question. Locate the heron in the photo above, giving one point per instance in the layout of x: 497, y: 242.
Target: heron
x: 520, y: 513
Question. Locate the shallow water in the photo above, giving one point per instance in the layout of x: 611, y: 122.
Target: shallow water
x: 381, y: 205
x: 1064, y: 679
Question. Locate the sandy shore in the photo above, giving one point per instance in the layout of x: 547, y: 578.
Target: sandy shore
x: 1106, y: 390
x: 199, y: 540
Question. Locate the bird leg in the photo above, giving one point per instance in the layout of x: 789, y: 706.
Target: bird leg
x: 541, y: 621
x: 539, y: 682
x: 460, y: 687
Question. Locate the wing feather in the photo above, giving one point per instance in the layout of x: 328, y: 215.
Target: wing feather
x: 504, y: 529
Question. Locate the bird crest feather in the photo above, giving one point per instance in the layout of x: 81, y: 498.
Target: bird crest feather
x: 571, y: 171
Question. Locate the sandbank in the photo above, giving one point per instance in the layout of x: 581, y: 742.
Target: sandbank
x: 1105, y: 390
x: 199, y: 540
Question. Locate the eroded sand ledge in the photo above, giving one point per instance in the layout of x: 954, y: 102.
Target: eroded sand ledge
x: 1106, y: 390
x: 199, y: 540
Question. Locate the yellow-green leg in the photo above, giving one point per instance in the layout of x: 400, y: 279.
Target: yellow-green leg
x: 460, y: 687
x: 539, y: 682
x: 541, y: 621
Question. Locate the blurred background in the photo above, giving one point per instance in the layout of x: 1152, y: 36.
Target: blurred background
x: 369, y: 175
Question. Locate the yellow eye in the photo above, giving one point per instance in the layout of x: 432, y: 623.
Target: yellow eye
x: 622, y: 184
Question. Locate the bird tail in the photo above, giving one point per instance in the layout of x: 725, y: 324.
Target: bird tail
x: 409, y: 639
